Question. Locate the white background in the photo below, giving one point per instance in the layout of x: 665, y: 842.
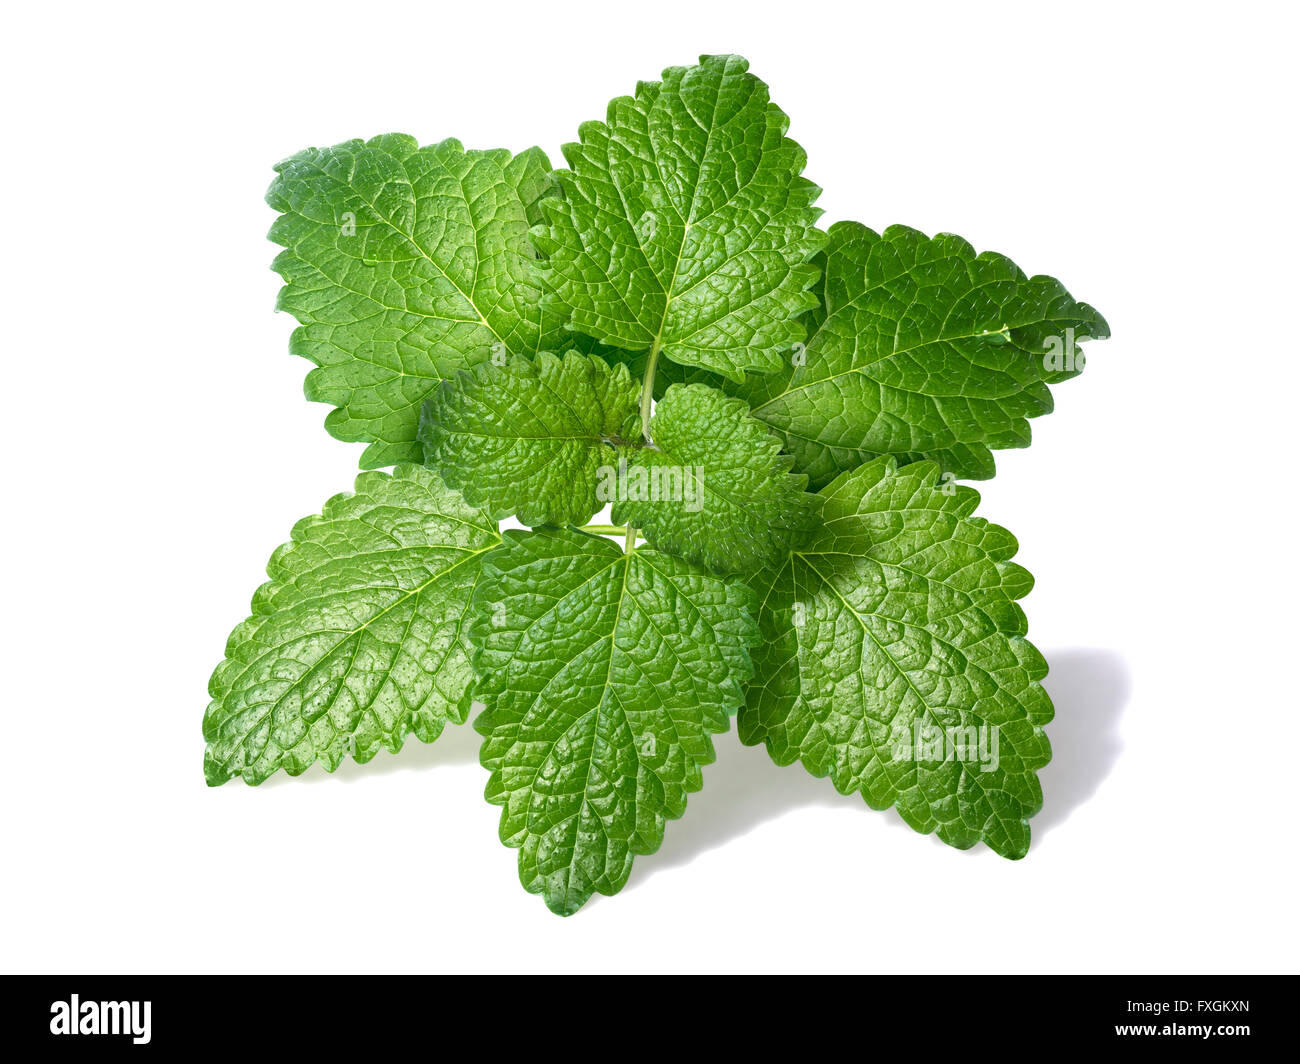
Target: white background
x: 159, y: 448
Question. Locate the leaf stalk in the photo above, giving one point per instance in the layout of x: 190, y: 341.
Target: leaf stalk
x: 647, y: 400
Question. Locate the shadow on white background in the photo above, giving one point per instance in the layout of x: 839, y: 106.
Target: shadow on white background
x: 1090, y: 688
x: 744, y: 788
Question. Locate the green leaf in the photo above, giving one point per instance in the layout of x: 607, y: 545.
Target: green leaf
x: 604, y: 675
x: 358, y: 638
x: 924, y: 350
x: 532, y: 178
x: 716, y: 489
x: 897, y: 621
x: 528, y: 438
x: 404, y: 264
x: 684, y: 224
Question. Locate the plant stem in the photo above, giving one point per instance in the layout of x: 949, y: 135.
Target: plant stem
x: 647, y: 400
x: 605, y: 530
x: 648, y: 388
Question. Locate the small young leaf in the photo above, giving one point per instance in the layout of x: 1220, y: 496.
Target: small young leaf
x: 716, y: 489
x: 604, y: 675
x: 403, y: 265
x: 528, y: 438
x: 892, y: 640
x: 924, y: 350
x: 532, y: 178
x: 358, y: 638
x: 684, y: 224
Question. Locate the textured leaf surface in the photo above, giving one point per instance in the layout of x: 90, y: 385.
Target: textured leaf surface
x: 527, y: 438
x: 532, y: 178
x: 604, y: 675
x: 897, y: 621
x: 716, y: 489
x: 404, y: 264
x: 684, y: 223
x: 922, y: 349
x: 358, y: 638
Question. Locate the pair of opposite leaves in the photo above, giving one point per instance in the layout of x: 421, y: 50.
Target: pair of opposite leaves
x: 683, y: 233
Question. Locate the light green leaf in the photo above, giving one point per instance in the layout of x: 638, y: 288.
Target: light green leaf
x: 684, y: 225
x: 715, y: 489
x: 529, y: 438
x: 358, y: 638
x: 604, y: 675
x: 924, y: 350
x: 897, y: 623
x: 532, y: 178
x: 404, y: 264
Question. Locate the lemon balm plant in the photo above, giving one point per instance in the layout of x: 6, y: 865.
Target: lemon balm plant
x: 776, y: 417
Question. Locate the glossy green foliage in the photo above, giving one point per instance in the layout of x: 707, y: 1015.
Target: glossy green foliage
x: 684, y: 224
x: 404, y: 264
x: 529, y: 438
x: 894, y: 659
x: 921, y: 349
x: 358, y: 638
x: 604, y: 674
x: 715, y: 487
x: 661, y: 329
